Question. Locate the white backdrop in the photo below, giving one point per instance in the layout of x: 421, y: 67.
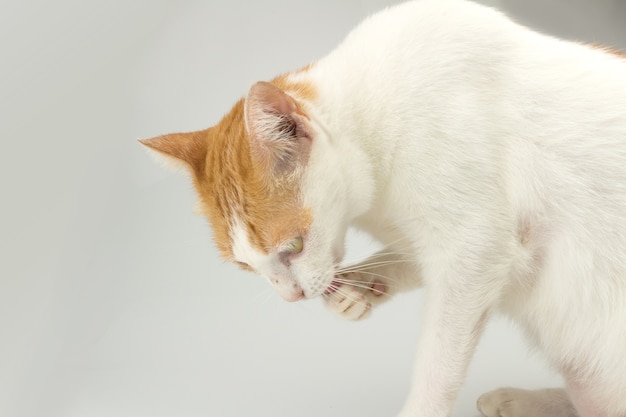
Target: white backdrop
x: 113, y: 301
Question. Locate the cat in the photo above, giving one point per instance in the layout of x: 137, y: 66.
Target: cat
x: 490, y: 160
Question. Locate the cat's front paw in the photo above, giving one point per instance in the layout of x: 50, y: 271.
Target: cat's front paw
x: 352, y: 302
x: 348, y: 302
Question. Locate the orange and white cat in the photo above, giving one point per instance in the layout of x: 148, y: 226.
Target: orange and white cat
x: 489, y: 159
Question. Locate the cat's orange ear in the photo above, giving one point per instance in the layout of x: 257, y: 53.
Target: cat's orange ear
x: 181, y: 149
x: 277, y: 126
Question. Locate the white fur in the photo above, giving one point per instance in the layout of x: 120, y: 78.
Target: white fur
x: 244, y: 252
x: 167, y: 162
x: 497, y: 156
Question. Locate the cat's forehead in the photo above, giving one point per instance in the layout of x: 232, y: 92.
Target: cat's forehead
x: 245, y: 207
x: 255, y: 234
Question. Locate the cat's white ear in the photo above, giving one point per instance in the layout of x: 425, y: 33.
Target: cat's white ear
x: 180, y: 150
x: 277, y: 126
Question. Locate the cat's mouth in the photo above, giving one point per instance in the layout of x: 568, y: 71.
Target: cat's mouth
x: 334, y: 285
x: 338, y: 254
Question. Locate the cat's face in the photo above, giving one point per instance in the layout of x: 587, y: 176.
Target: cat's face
x: 272, y: 186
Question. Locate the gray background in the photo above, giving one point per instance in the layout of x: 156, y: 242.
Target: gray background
x: 113, y: 301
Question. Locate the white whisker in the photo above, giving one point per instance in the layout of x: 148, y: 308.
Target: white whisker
x: 363, y: 285
x: 374, y: 274
x: 338, y: 290
x: 380, y: 254
x: 346, y: 295
x: 370, y: 265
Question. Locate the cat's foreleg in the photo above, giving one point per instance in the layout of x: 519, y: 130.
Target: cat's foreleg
x: 360, y: 287
x: 462, y: 287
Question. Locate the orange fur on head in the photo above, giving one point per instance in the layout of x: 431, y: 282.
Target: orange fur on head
x: 235, y: 185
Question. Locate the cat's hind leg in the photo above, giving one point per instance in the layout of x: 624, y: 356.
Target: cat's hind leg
x: 514, y: 402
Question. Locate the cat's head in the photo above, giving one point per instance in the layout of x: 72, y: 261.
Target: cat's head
x: 277, y: 189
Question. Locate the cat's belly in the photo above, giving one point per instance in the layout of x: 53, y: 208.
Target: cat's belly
x: 571, y: 304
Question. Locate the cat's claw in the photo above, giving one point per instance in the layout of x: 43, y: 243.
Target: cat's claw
x: 354, y: 302
x: 348, y: 302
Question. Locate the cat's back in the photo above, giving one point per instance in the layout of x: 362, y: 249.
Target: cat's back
x: 416, y: 58
x: 422, y: 17
x: 462, y: 64
x: 464, y: 71
x: 402, y: 32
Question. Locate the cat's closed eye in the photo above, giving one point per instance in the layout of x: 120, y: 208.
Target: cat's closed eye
x: 295, y: 246
x: 291, y: 248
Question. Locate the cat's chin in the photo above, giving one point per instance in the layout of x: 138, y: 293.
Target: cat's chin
x: 294, y: 297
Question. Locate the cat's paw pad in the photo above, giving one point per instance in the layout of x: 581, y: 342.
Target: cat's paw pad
x: 348, y: 302
x: 503, y: 402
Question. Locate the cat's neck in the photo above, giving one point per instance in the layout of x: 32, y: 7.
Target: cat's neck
x: 353, y: 120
